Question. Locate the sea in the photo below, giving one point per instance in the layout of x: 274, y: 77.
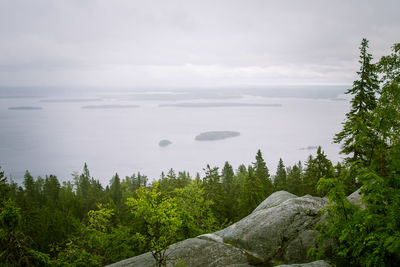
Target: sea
x: 56, y: 130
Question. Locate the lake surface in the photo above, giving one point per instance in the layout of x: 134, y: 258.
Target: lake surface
x: 122, y: 133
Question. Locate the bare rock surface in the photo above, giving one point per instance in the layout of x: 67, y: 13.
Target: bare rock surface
x: 355, y: 198
x: 280, y: 229
x: 274, y: 200
x: 268, y: 232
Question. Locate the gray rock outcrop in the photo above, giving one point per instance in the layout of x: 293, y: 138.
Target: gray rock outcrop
x: 274, y: 200
x: 271, y: 231
x: 280, y: 229
x: 355, y: 198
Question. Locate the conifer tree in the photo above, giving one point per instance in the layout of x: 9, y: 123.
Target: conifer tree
x: 251, y: 193
x: 228, y: 192
x: 29, y: 184
x: 115, y: 189
x: 369, y: 236
x: 317, y: 167
x: 262, y: 174
x: 212, y: 190
x: 294, y: 179
x: 4, y: 188
x: 357, y: 134
x: 280, y: 181
x: 51, y: 189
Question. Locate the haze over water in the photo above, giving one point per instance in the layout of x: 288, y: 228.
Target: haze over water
x: 118, y: 130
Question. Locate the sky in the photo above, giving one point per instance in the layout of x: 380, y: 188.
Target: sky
x: 190, y: 43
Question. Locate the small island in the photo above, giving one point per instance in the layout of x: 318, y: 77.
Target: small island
x: 25, y: 108
x: 216, y: 135
x: 164, y: 143
x: 109, y: 106
x: 218, y: 105
x: 70, y: 100
x: 309, y: 148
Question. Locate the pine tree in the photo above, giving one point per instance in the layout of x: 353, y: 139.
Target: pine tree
x: 357, y: 134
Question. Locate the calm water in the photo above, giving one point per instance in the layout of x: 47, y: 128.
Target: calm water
x: 62, y: 136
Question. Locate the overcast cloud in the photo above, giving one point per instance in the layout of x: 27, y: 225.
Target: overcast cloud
x: 190, y: 43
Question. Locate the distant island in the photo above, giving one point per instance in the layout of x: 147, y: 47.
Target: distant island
x: 109, y: 106
x: 164, y: 143
x: 217, y: 105
x: 216, y: 135
x: 25, y: 108
x: 309, y: 148
x: 70, y: 100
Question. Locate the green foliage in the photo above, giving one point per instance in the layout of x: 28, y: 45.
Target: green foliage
x: 115, y: 190
x: 4, y: 189
x: 294, y: 179
x: 195, y: 211
x: 251, y: 193
x: 171, y: 181
x: 161, y: 219
x: 316, y: 168
x: 262, y: 174
x: 356, y: 135
x: 368, y: 236
x: 213, y: 189
x: 10, y: 216
x: 363, y: 237
x: 72, y: 254
x: 15, y: 249
x: 280, y: 180
x: 229, y: 194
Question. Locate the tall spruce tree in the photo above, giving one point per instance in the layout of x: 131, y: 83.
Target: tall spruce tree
x: 357, y: 134
x: 29, y: 184
x: 294, y: 179
x: 4, y: 188
x: 228, y: 192
x: 212, y: 190
x: 262, y: 174
x: 115, y: 190
x: 316, y: 168
x: 369, y: 236
x: 251, y: 193
x: 280, y: 181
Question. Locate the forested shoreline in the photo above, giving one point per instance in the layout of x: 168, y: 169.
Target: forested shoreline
x: 79, y: 222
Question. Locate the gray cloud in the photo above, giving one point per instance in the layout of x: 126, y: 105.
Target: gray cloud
x: 117, y: 42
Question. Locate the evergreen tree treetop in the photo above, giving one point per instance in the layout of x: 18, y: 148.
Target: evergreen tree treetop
x: 262, y: 174
x: 356, y: 133
x: 280, y: 181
